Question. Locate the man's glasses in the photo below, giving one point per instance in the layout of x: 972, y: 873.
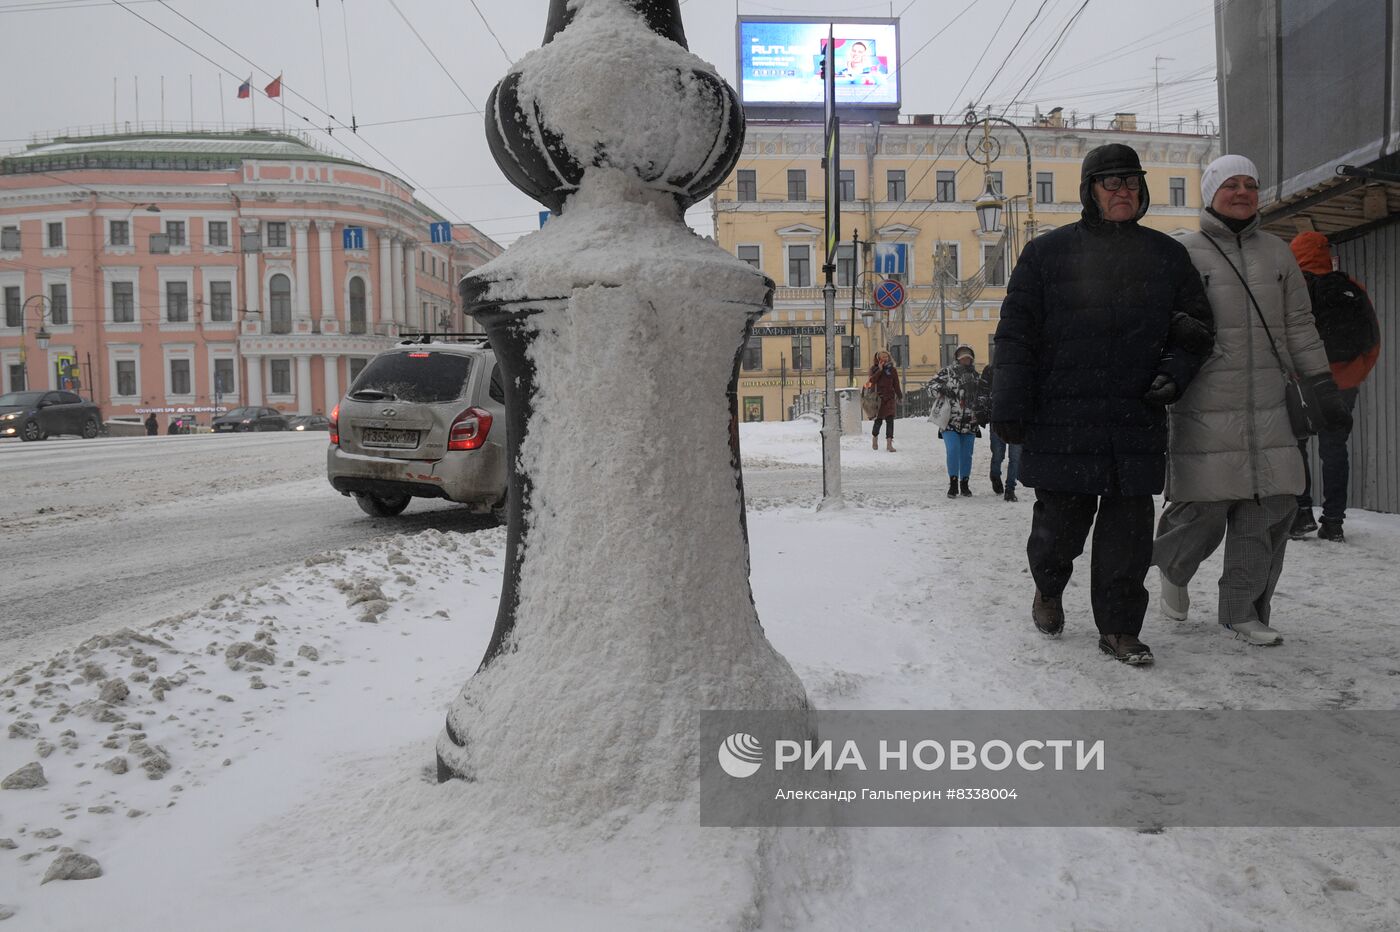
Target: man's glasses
x: 1114, y: 182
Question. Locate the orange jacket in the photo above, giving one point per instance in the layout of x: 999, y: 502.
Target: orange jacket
x: 1315, y: 256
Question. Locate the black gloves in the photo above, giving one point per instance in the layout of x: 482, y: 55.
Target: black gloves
x: 1010, y: 431
x: 1163, y: 391
x: 1192, y: 335
x: 1329, y: 399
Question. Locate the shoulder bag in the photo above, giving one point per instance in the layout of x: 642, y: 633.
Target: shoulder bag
x: 1304, y: 413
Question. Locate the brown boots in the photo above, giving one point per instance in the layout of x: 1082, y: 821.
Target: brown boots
x: 889, y: 444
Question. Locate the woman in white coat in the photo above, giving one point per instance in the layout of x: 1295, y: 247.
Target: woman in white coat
x: 1233, y: 469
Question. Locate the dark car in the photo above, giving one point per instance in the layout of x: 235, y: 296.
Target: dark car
x: 250, y: 418
x: 309, y: 422
x: 36, y: 415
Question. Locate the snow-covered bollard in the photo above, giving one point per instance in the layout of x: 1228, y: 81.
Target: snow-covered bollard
x: 626, y: 607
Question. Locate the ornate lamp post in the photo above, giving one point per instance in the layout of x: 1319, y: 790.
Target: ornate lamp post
x: 984, y: 152
x: 41, y: 336
x: 626, y: 607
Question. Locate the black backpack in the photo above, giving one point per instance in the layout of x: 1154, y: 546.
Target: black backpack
x: 1346, y: 321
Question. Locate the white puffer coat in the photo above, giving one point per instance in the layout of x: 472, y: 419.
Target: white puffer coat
x: 1230, y: 434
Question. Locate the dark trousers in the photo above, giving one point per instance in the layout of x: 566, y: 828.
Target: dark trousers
x: 1011, y: 452
x: 889, y: 428
x: 1122, y: 526
x: 1336, y: 468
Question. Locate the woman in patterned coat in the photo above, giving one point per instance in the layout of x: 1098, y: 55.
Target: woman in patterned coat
x: 961, y: 385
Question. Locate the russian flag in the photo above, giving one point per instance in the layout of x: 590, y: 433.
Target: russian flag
x: 246, y: 88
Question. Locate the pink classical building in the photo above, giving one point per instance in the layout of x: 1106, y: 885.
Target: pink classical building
x: 188, y: 272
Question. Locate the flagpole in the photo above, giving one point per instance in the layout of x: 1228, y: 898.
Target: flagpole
x: 253, y: 101
x: 282, y: 99
x: 223, y: 124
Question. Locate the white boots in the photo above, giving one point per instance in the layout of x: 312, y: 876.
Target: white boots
x: 1175, y: 603
x: 1175, y: 600
x: 1255, y: 632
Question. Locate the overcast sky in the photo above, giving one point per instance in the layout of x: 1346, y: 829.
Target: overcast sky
x: 420, y: 119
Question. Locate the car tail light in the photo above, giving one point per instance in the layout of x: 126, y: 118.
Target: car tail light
x: 469, y: 430
x: 335, y: 426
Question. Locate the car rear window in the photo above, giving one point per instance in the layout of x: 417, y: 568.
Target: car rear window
x: 423, y: 376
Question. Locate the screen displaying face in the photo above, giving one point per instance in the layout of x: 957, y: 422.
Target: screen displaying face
x: 780, y: 62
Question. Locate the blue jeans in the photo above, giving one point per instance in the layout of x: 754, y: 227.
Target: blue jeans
x: 1336, y: 468
x: 1013, y: 462
x: 959, y: 448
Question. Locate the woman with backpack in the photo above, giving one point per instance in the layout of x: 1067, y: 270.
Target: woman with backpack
x: 1233, y: 470
x: 958, y: 396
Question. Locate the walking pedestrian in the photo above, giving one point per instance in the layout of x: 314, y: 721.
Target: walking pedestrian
x: 1105, y: 322
x: 1010, y: 453
x: 152, y: 425
x: 1233, y: 471
x: 960, y: 387
x: 1351, y: 335
x: 884, y: 380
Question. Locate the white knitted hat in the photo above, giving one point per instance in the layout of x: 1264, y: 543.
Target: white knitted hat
x: 1220, y: 171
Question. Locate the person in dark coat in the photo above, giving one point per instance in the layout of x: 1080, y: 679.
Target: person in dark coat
x: 884, y: 379
x: 1010, y: 453
x: 152, y: 425
x: 1104, y: 324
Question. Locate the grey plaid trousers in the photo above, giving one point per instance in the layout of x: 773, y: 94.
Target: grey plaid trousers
x: 1255, y: 534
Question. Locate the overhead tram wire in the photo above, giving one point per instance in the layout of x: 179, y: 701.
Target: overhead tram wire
x: 321, y: 34
x: 509, y: 60
x: 429, y: 49
x: 287, y: 89
x: 349, y: 71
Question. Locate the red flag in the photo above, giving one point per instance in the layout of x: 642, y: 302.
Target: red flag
x: 275, y: 88
x: 246, y: 88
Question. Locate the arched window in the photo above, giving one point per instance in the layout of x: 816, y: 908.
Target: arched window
x: 357, y: 305
x: 279, y: 305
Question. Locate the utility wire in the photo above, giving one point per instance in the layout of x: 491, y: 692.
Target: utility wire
x: 349, y: 72
x: 423, y: 42
x: 509, y: 60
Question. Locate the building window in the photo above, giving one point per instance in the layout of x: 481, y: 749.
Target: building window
x: 1178, y: 192
x: 55, y: 235
x: 276, y: 234
x: 218, y: 232
x: 13, y: 306
x: 995, y: 179
x: 177, y: 302
x: 9, y: 238
x: 850, y: 353
x: 800, y: 266
x: 126, y: 377
x: 996, y: 270
x: 899, y: 351
x: 123, y: 302
x: 175, y: 232
x: 948, y: 260
x: 749, y: 254
x: 279, y: 304
x: 894, y: 184
x: 947, y: 191
x: 58, y: 304
x: 357, y: 365
x: 848, y: 184
x: 281, y: 376
x: 221, y: 301
x: 1045, y: 187
x: 845, y: 265
x: 119, y: 232
x: 748, y: 184
x: 179, y: 376
x: 223, y: 377
x: 17, y: 378
x: 357, y: 305
x: 753, y: 354
x: 802, y: 352
x: 797, y: 184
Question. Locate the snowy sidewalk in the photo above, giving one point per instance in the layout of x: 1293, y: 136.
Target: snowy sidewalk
x: 282, y: 777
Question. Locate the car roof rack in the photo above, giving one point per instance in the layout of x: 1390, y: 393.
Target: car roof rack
x: 413, y: 339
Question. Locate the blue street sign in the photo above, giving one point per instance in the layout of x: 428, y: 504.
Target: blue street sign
x: 440, y: 232
x: 544, y: 216
x: 353, y: 237
x: 889, y: 294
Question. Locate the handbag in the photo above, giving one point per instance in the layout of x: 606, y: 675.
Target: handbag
x: 869, y: 403
x: 1304, y: 413
x: 941, y: 412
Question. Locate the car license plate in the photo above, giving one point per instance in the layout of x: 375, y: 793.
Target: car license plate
x: 380, y: 437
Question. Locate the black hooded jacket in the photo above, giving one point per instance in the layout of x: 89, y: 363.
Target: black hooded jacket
x: 1085, y: 327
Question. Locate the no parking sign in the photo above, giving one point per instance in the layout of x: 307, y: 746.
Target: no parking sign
x: 889, y: 294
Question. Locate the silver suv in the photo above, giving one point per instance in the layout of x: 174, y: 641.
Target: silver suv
x: 424, y: 419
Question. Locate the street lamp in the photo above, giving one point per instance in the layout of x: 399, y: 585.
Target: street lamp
x: 989, y: 204
x: 41, y: 336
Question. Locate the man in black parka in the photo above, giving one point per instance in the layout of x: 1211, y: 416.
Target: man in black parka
x: 1105, y: 323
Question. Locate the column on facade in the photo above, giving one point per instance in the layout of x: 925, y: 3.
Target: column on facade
x: 332, y: 364
x: 384, y: 293
x: 303, y: 384
x: 252, y: 288
x: 302, y: 310
x: 396, y: 274
x: 252, y: 380
x: 415, y: 309
x: 324, y: 228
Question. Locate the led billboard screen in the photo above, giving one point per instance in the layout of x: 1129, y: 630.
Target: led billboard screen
x: 780, y: 61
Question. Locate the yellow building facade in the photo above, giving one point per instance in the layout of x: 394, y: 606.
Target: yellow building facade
x: 907, y: 194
